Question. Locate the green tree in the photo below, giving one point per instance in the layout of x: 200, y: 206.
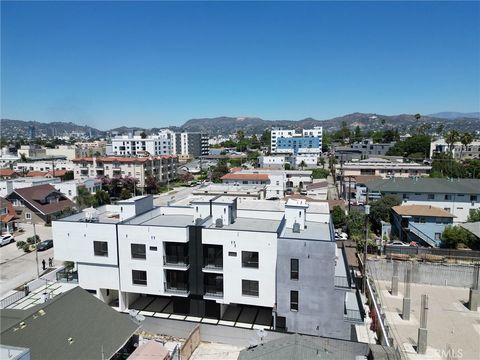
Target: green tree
x: 302, y: 164
x: 287, y: 166
x: 84, y: 198
x: 455, y: 237
x: 466, y: 139
x: 474, y: 215
x: 102, y: 198
x: 357, y: 134
x: 356, y: 224
x: 125, y: 194
x: 416, y: 144
x: 143, y: 135
x: 240, y: 135
x: 219, y: 170
x: 266, y: 138
x: 451, y: 138
x: 380, y: 210
x: 338, y: 216
x: 320, y: 173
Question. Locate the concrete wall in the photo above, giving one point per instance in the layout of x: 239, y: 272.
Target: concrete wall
x: 320, y: 309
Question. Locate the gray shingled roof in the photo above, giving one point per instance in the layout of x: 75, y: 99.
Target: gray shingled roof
x: 303, y: 347
x: 426, y: 185
x: 75, y: 314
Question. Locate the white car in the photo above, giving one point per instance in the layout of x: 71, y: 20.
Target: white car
x: 398, y: 243
x: 6, y: 239
x: 341, y: 236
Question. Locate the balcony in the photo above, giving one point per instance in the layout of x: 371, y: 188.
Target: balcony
x: 213, y: 291
x: 175, y: 261
x: 214, y: 265
x: 178, y: 288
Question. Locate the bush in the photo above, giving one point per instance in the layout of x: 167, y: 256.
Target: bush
x: 320, y: 173
x: 22, y: 245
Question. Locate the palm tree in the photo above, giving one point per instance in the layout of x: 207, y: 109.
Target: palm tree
x: 302, y: 164
x: 466, y: 139
x: 451, y: 138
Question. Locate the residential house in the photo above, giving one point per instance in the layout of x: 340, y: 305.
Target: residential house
x: 459, y: 151
x: 318, y: 190
x: 7, y: 216
x: 422, y: 224
x: 39, y: 204
x: 8, y: 174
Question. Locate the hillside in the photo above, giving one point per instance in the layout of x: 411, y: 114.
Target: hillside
x: 20, y: 129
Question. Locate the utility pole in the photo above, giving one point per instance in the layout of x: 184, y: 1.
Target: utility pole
x: 367, y: 212
x: 349, y: 192
x: 36, y: 251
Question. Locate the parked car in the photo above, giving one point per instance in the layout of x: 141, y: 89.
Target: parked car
x: 303, y: 192
x: 44, y: 245
x: 6, y: 239
x: 398, y: 243
x: 341, y: 236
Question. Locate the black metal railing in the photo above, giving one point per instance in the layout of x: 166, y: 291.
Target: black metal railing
x: 213, y: 291
x: 216, y: 263
x: 175, y: 260
x: 67, y: 276
x: 176, y: 288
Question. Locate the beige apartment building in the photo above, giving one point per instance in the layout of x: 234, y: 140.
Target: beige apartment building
x: 163, y: 168
x: 384, y: 168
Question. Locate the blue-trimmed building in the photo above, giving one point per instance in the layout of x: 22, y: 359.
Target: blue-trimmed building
x: 299, y: 144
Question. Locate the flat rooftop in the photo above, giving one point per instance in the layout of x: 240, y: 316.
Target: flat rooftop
x: 251, y: 224
x: 314, y: 231
x: 450, y: 324
x: 101, y: 213
x: 162, y: 220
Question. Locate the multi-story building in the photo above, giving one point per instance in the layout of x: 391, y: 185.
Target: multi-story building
x: 45, y: 166
x: 92, y: 148
x: 457, y: 196
x: 368, y: 148
x: 163, y: 168
x: 459, y: 151
x: 272, y: 162
x: 127, y: 145
x: 384, y: 168
x: 309, y: 141
x: 69, y: 151
x: 191, y: 143
x: 211, y: 258
x: 275, y: 181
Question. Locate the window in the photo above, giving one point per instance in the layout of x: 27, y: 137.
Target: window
x: 250, y: 259
x: 139, y: 277
x: 138, y: 251
x: 446, y: 209
x: 473, y: 197
x: 431, y: 196
x: 153, y: 248
x: 100, y: 248
x: 28, y: 216
x: 294, y: 269
x: 448, y: 197
x: 250, y: 287
x: 17, y: 202
x: 232, y: 253
x: 293, y: 300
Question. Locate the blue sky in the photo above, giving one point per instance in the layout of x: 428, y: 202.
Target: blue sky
x: 149, y: 64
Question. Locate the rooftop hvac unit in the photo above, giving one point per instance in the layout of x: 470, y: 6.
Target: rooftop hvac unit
x: 219, y: 223
x: 296, y: 227
x: 198, y: 221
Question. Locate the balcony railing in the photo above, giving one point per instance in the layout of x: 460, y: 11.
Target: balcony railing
x: 175, y: 260
x: 213, y: 291
x: 178, y: 288
x: 213, y: 264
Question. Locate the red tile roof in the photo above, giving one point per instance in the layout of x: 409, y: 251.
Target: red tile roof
x: 7, y: 172
x: 58, y: 173
x: 10, y: 215
x: 235, y: 169
x: 34, y: 194
x: 246, y: 177
x: 33, y: 173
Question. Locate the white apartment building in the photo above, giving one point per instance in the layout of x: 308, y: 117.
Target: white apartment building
x: 272, y: 162
x: 300, y: 146
x: 457, y: 196
x: 69, y: 151
x: 384, y: 168
x: 276, y: 181
x: 163, y: 168
x: 127, y: 145
x: 471, y: 151
x: 209, y: 257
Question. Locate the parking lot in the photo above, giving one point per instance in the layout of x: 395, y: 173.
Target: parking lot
x: 18, y: 267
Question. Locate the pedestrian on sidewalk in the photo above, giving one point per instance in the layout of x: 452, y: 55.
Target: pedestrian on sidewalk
x: 43, y: 264
x: 50, y: 262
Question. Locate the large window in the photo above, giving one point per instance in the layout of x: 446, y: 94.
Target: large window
x: 138, y: 251
x: 100, y: 248
x: 250, y: 259
x: 294, y: 269
x: 294, y: 300
x: 250, y: 287
x: 139, y: 277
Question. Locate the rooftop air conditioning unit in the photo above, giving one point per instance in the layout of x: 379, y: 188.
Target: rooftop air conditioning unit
x: 198, y: 221
x: 219, y: 223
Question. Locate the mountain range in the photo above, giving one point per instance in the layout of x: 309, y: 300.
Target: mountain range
x: 253, y: 125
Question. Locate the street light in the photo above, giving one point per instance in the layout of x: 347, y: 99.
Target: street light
x: 367, y: 212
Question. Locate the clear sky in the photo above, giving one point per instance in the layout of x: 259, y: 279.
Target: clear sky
x: 149, y: 64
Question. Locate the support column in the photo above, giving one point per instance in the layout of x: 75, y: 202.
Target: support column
x: 422, y: 330
x: 474, y: 295
x: 406, y: 296
x: 123, y: 300
x: 395, y: 279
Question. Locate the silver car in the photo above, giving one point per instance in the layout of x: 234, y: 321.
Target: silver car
x: 6, y: 239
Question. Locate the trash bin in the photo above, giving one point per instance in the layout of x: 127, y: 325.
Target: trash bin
x: 26, y: 289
